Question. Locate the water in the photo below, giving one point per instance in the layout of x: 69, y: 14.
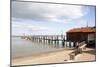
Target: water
x: 22, y: 47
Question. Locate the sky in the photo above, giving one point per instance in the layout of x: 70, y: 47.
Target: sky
x: 32, y: 18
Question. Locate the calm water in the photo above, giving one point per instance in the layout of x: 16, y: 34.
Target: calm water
x: 22, y: 47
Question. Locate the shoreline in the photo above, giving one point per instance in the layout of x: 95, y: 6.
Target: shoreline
x: 60, y: 56
x: 20, y: 61
x: 48, y: 52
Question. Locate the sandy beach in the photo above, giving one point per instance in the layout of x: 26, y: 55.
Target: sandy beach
x: 61, y: 56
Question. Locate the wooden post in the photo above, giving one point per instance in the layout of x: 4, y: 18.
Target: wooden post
x: 57, y: 41
x: 63, y: 43
x: 69, y: 44
x: 48, y: 41
x: 74, y: 44
x: 51, y: 39
x: 72, y: 56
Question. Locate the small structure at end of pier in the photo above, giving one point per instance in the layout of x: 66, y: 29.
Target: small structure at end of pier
x: 87, y: 34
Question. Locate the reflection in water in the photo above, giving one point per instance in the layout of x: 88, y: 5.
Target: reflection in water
x: 22, y: 47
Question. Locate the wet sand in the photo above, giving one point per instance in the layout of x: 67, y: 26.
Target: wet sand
x: 61, y: 56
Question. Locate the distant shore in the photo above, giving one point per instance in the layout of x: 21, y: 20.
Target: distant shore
x: 60, y: 56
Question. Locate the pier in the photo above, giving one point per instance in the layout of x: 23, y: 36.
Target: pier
x: 52, y: 39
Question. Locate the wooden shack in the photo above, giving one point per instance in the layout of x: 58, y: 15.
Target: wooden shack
x: 87, y: 34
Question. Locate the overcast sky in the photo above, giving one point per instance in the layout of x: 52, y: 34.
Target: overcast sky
x: 43, y: 18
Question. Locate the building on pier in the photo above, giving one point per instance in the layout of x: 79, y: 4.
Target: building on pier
x: 87, y: 34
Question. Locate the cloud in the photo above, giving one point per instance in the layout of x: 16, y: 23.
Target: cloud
x: 46, y: 12
x: 19, y: 27
x: 27, y: 27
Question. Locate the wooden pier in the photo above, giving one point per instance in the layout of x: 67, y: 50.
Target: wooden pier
x: 52, y: 39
